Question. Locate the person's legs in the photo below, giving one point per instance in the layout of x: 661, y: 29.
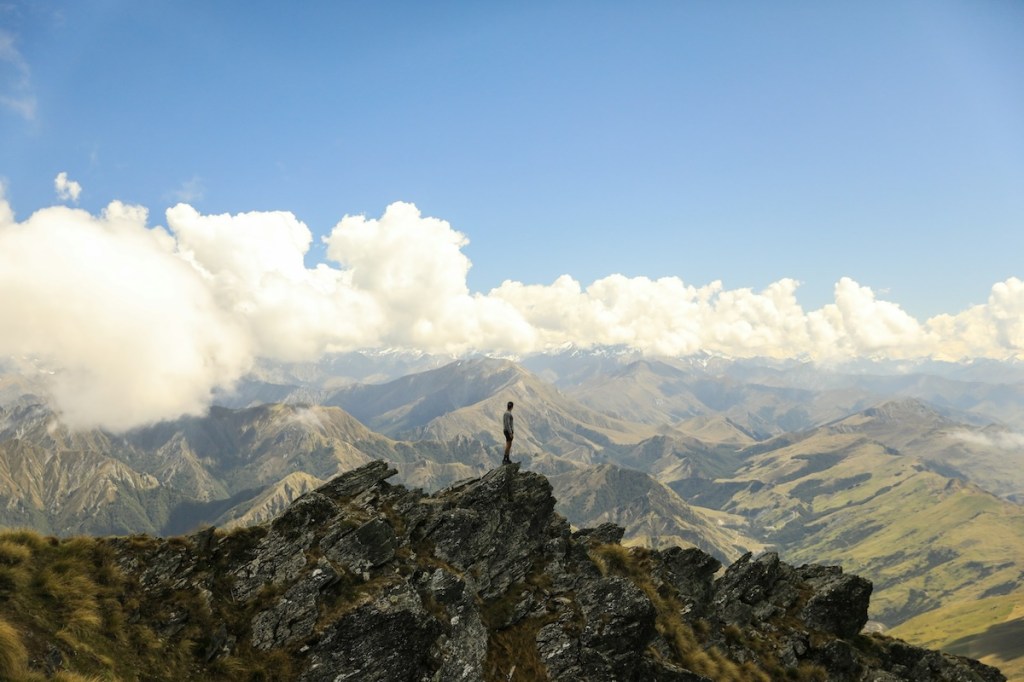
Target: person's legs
x: 508, y: 448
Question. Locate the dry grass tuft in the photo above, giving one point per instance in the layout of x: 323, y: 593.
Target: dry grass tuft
x: 512, y: 653
x: 14, y: 553
x: 13, y: 654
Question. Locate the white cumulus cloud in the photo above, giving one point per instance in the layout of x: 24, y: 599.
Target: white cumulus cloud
x: 66, y: 189
x: 141, y: 323
x: 130, y: 330
x: 252, y: 265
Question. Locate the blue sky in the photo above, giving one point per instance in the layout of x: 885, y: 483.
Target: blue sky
x: 823, y: 181
x: 741, y: 141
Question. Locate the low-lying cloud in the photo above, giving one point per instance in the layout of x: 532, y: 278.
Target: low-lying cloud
x: 1010, y: 441
x: 140, y: 323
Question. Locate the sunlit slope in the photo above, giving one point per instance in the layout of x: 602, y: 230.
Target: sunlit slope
x: 925, y: 540
x: 991, y: 456
x: 671, y: 458
x: 996, y: 625
x: 273, y: 500
x: 646, y: 391
x: 717, y: 429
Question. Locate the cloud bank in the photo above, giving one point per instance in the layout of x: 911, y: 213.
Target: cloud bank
x: 139, y: 323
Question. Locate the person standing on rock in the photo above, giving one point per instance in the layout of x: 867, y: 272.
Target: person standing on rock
x: 507, y: 428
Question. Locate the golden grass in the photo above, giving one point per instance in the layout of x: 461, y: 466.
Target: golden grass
x: 65, y: 593
x: 28, y: 538
x: 512, y: 653
x: 14, y: 553
x: 13, y: 654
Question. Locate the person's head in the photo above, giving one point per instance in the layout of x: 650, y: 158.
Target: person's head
x: 510, y: 404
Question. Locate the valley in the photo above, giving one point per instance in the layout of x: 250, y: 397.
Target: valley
x: 911, y: 481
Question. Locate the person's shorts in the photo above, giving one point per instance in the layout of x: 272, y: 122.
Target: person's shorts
x: 508, y: 436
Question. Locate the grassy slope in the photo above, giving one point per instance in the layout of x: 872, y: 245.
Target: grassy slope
x: 926, y: 542
x: 70, y: 597
x: 997, y: 624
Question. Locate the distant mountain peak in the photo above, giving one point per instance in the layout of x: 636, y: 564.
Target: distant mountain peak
x: 902, y: 409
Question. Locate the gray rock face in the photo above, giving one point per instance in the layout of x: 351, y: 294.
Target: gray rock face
x: 480, y: 521
x: 278, y: 559
x: 363, y: 580
x: 691, y: 572
x: 755, y: 590
x: 839, y: 604
x: 294, y: 615
x: 463, y: 644
x: 603, y: 534
x: 351, y: 650
x: 367, y: 546
x: 616, y: 616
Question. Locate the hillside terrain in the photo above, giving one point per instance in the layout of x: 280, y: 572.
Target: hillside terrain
x: 361, y: 579
x: 237, y: 467
x: 912, y: 479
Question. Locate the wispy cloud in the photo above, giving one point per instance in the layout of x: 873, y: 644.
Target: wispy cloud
x: 67, y: 190
x: 210, y: 294
x: 190, y: 191
x: 1000, y: 440
x: 16, y: 92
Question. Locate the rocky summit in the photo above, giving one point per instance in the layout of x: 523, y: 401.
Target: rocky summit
x: 364, y: 580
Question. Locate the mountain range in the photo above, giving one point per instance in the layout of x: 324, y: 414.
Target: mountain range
x: 911, y: 476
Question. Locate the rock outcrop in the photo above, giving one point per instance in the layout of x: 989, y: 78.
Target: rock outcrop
x: 364, y: 580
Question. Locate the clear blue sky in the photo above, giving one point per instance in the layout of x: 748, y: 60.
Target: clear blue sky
x: 741, y: 141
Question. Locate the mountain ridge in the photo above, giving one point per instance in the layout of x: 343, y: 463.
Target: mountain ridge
x: 786, y: 491
x: 480, y: 581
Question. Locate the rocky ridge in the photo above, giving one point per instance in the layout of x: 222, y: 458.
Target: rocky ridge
x: 364, y: 580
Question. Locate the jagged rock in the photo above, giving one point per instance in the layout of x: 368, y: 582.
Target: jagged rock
x: 493, y: 529
x: 278, y: 559
x: 839, y: 604
x: 386, y: 640
x: 304, y: 514
x: 618, y: 625
x: 368, y: 546
x: 691, y: 572
x: 755, y: 590
x: 352, y: 483
x: 465, y: 641
x: 838, y: 658
x: 363, y: 580
x: 606, y: 533
x: 163, y: 565
x: 617, y: 618
x: 912, y: 663
x: 293, y: 616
